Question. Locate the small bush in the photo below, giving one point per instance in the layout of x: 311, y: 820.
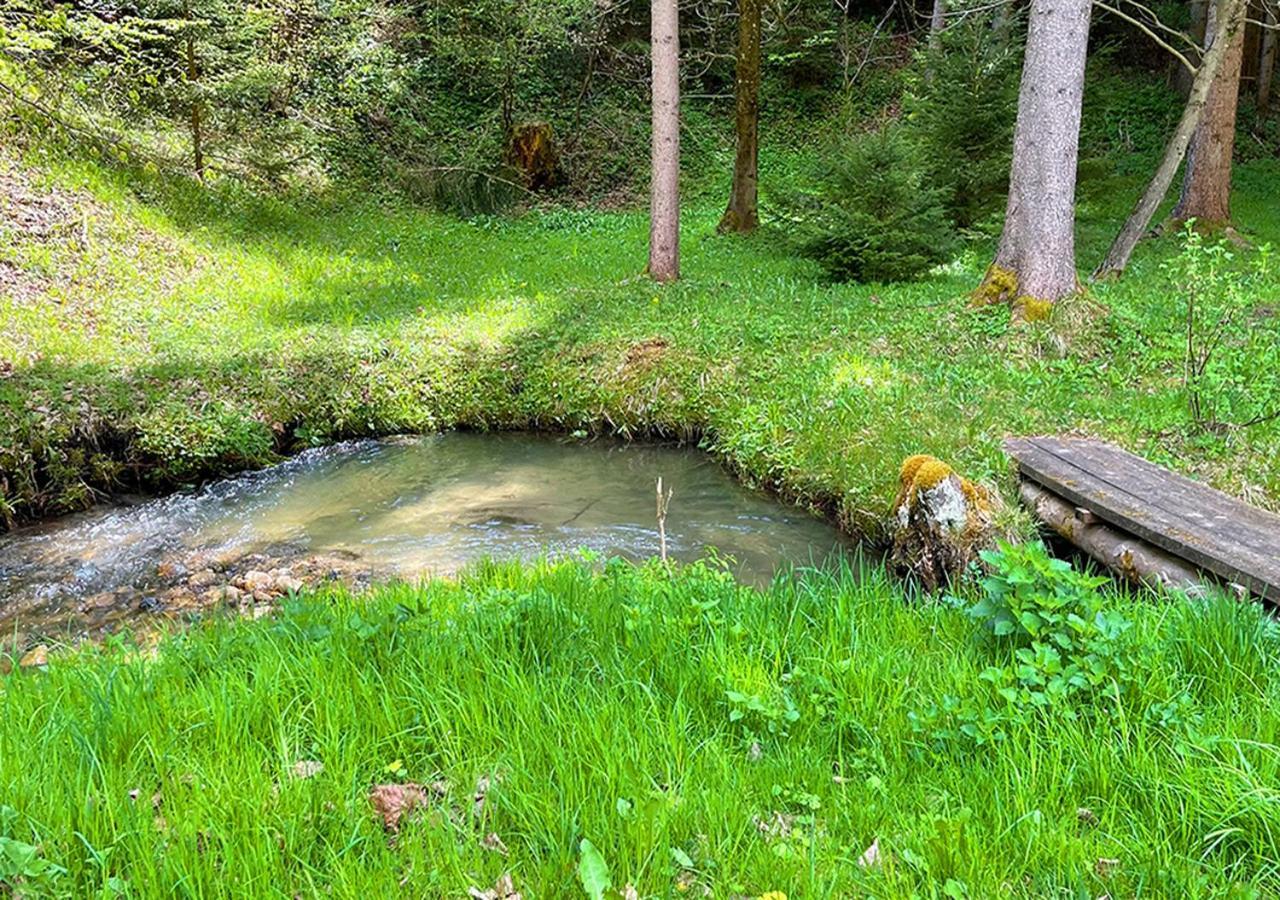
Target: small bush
x: 1066, y: 644
x: 875, y: 217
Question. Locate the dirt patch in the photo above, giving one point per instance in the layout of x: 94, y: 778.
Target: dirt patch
x: 31, y: 216
x: 34, y: 213
x: 644, y: 355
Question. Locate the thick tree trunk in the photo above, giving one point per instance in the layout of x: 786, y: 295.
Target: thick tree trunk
x: 664, y: 199
x: 1267, y: 63
x: 1035, y: 263
x: 1231, y: 13
x: 742, y: 214
x: 1206, y: 184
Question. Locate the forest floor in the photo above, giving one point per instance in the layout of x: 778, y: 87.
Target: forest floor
x: 161, y: 333
x: 706, y: 738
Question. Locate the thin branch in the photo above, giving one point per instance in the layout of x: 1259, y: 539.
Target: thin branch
x: 1142, y: 26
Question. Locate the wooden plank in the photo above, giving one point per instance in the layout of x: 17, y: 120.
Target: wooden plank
x: 1176, y: 494
x: 1132, y: 508
x: 1209, y: 529
x: 1198, y: 507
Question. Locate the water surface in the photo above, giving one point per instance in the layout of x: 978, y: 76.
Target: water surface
x: 406, y: 507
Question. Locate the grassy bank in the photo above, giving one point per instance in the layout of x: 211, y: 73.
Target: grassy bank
x: 698, y: 733
x: 174, y: 332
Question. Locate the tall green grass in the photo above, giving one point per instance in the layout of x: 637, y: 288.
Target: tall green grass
x: 700, y: 733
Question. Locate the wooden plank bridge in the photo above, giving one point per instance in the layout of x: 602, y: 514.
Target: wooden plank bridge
x: 1141, y: 519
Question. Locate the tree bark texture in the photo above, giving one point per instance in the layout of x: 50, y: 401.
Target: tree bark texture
x: 664, y: 200
x: 1206, y: 183
x: 1231, y: 14
x: 937, y: 22
x: 1035, y: 262
x: 742, y: 214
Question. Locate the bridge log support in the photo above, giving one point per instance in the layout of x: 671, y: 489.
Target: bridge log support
x: 1131, y: 558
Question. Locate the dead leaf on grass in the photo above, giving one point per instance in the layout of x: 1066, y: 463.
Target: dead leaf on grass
x: 870, y: 858
x: 307, y: 768
x: 503, y: 889
x: 491, y: 841
x: 393, y: 801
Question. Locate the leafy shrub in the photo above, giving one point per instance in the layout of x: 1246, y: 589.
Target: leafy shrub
x: 1066, y: 644
x: 1067, y: 650
x: 186, y: 442
x: 875, y: 217
x: 1229, y: 337
x: 963, y: 105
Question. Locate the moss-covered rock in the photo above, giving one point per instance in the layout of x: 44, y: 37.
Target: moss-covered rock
x: 940, y: 521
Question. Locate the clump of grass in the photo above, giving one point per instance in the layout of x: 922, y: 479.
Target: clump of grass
x: 693, y: 731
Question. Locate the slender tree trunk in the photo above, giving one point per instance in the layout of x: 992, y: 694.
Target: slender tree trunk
x: 937, y: 22
x: 1206, y: 184
x: 1035, y: 263
x: 742, y: 215
x: 193, y: 75
x: 664, y: 199
x: 1231, y: 13
x: 1267, y: 64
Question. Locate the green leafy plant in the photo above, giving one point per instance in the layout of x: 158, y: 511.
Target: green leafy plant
x: 1065, y: 643
x: 23, y: 867
x: 593, y: 871
x: 1231, y: 358
x: 762, y: 713
x: 875, y: 215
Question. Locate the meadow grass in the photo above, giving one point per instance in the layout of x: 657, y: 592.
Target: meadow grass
x: 705, y: 736
x: 189, y: 331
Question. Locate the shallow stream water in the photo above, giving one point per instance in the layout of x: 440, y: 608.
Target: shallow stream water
x: 405, y: 507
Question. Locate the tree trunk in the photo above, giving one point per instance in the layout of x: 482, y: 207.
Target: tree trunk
x: 1035, y: 263
x: 664, y: 199
x: 193, y: 74
x: 937, y: 22
x: 1267, y: 65
x: 742, y: 215
x: 1231, y: 13
x: 1206, y: 184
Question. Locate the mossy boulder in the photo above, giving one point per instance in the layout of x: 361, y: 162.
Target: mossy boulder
x: 940, y: 521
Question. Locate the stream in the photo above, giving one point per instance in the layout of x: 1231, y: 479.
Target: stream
x: 400, y: 508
